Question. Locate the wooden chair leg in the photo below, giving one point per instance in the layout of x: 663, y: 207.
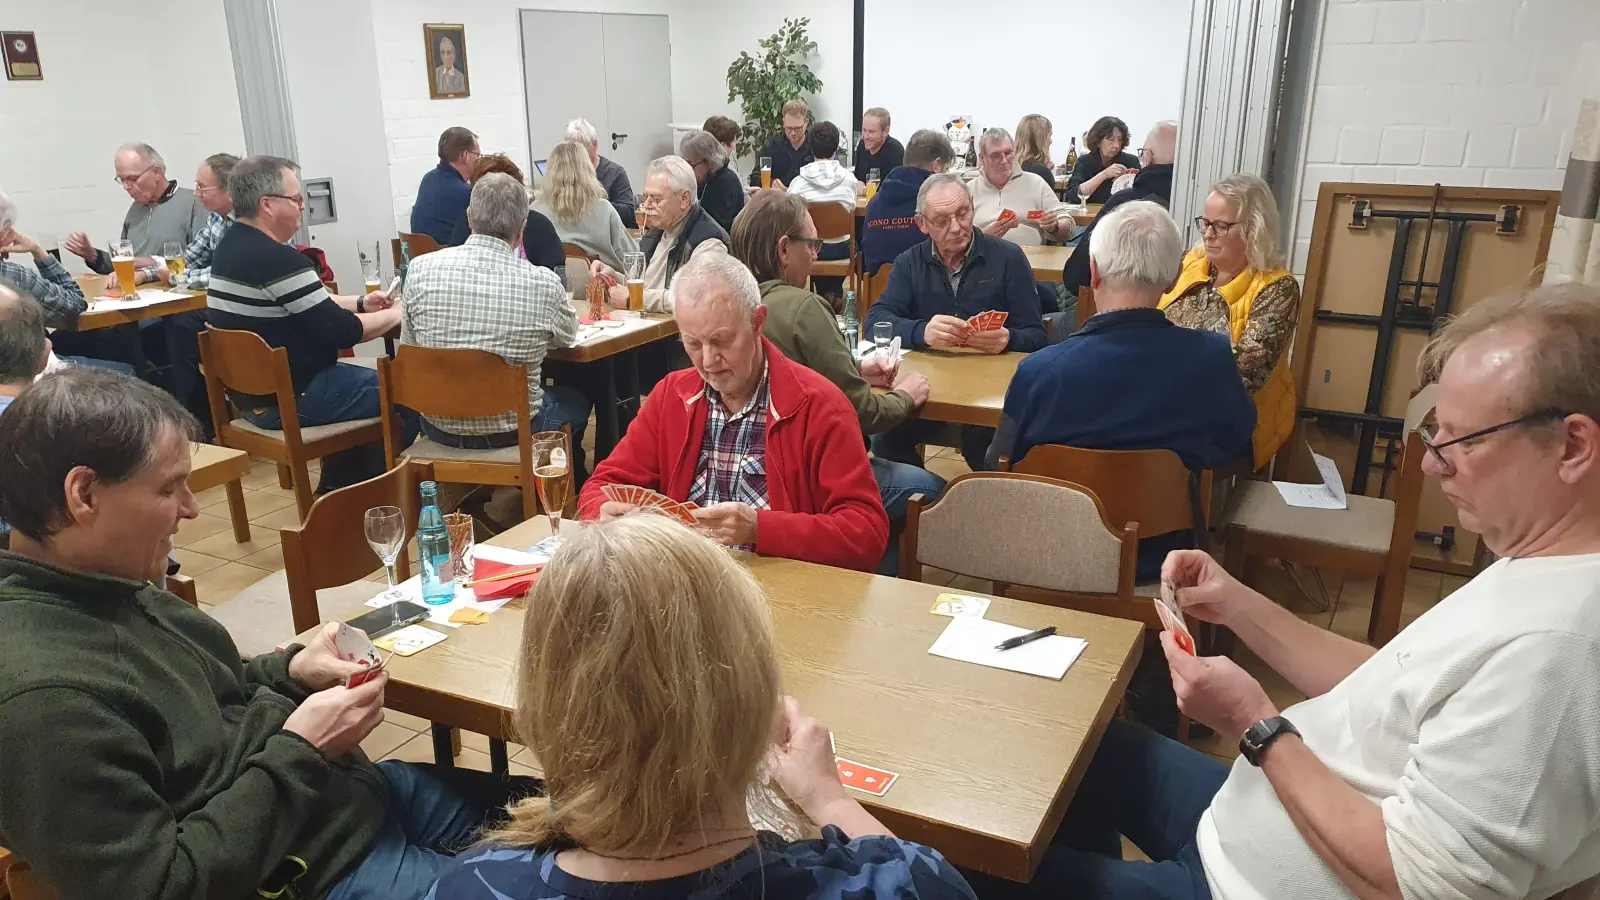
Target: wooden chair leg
x: 1183, y: 728
x: 446, y: 744
x: 237, y: 512
x: 1388, y: 598
x: 284, y: 479
x: 303, y: 496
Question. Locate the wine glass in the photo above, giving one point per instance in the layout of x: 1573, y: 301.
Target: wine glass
x: 552, y: 468
x: 386, y: 534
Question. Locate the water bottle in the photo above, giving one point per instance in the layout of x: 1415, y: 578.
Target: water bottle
x: 852, y: 328
x: 433, y: 548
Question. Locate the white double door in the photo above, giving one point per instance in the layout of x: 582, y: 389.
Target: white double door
x: 613, y: 69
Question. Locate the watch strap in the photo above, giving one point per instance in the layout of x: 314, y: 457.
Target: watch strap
x: 1253, y: 746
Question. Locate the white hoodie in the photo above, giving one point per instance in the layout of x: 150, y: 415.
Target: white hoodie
x: 824, y: 180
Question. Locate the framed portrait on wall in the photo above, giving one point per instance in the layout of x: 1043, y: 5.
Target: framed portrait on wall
x: 22, y: 56
x: 446, y: 55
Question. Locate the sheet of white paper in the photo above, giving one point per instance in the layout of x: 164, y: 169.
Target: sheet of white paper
x: 147, y: 297
x: 1327, y: 495
x: 587, y: 333
x: 973, y: 640
x: 411, y: 589
x: 867, y: 348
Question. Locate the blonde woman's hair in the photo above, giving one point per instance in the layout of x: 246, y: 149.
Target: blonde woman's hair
x: 1033, y: 139
x: 1256, y: 213
x: 569, y: 184
x: 647, y: 686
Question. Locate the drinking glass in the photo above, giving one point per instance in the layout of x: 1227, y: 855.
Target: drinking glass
x: 386, y: 535
x: 122, y: 265
x: 882, y: 335
x: 633, y: 269
x: 552, y: 468
x: 766, y: 172
x: 371, y: 272
x: 172, y: 254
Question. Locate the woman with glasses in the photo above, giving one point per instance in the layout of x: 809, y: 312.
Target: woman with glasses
x: 1233, y: 282
x: 721, y: 192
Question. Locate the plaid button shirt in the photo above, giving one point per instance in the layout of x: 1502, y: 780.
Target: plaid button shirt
x: 733, y: 454
x: 50, y: 284
x: 197, y: 256
x: 480, y: 296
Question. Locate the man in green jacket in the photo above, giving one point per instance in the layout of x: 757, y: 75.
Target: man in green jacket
x: 775, y: 237
x: 140, y: 757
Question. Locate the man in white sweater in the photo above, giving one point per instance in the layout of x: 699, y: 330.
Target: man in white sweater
x: 1462, y: 759
x: 1002, y: 185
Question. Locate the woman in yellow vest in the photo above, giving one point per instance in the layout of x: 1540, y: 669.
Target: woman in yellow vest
x: 1234, y: 283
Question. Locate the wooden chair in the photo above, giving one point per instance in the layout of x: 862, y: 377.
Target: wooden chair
x: 1085, y: 305
x: 873, y: 287
x: 462, y: 383
x: 573, y: 251
x: 241, y: 361
x: 834, y: 221
x: 990, y: 525
x: 417, y: 245
x: 1373, y: 536
x: 183, y: 587
x: 22, y: 883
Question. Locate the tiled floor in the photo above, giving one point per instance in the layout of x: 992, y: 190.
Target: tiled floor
x: 221, y: 568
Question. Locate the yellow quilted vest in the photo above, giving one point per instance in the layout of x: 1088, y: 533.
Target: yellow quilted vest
x: 1275, y: 402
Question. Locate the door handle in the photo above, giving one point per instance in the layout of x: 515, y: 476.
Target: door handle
x: 616, y: 139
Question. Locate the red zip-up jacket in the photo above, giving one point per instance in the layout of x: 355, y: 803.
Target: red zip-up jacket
x: 825, y: 503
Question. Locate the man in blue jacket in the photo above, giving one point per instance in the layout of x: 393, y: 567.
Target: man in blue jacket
x: 891, y: 220
x: 443, y: 193
x: 1129, y: 379
x: 942, y: 282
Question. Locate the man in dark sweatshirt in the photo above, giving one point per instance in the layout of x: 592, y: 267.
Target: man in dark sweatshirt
x: 891, y: 220
x: 877, y: 150
x: 140, y: 756
x: 789, y: 150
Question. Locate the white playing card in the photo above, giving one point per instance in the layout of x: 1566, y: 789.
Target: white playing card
x: 353, y: 646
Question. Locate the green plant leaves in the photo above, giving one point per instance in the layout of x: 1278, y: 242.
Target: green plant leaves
x: 763, y: 83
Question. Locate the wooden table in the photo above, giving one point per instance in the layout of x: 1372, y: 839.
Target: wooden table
x: 988, y: 759
x: 965, y: 387
x: 603, y: 355
x: 1048, y: 262
x: 211, y: 465
x: 94, y: 285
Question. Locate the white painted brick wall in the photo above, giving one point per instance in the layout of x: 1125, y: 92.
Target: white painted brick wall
x: 1458, y: 92
x: 60, y: 134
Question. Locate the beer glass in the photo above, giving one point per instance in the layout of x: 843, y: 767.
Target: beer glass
x: 633, y: 264
x: 122, y: 265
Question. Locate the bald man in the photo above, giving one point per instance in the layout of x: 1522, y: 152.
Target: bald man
x: 1154, y: 182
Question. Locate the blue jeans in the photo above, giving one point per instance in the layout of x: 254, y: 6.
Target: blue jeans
x: 111, y: 364
x: 896, y: 483
x: 431, y: 814
x: 1144, y: 786
x: 900, y: 442
x: 339, y: 393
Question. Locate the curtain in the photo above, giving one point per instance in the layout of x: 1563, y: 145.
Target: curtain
x: 1575, y: 241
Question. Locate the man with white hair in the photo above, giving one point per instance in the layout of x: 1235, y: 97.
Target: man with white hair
x: 1153, y: 183
x: 613, y: 177
x: 678, y: 229
x: 768, y: 450
x: 1129, y: 379
x: 46, y: 281
x: 161, y: 212
x: 1461, y: 759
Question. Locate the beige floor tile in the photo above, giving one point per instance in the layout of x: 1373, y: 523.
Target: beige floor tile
x: 279, y: 518
x: 947, y: 467
x: 223, y: 546
x: 269, y: 558
x: 407, y: 721
x: 193, y: 563
x: 1351, y: 622
x: 420, y: 749
x: 1132, y: 853
x: 221, y: 584
x: 199, y: 528
x: 386, y: 738
x: 1358, y: 591
x: 262, y: 474
x: 259, y: 503
x: 211, y: 496
x: 525, y: 771
x: 481, y: 743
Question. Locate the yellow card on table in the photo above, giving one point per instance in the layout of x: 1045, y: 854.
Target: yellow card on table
x: 409, y: 640
x: 469, y: 616
x: 953, y: 605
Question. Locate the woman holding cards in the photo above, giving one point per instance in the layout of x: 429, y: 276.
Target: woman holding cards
x: 649, y: 690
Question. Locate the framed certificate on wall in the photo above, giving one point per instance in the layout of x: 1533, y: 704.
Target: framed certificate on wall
x: 22, y: 56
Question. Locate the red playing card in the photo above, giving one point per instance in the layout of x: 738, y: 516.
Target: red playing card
x: 612, y: 492
x: 864, y: 778
x: 511, y: 587
x: 1006, y: 215
x: 1035, y: 215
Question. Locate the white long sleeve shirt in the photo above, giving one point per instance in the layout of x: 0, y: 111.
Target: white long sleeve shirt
x: 1476, y: 731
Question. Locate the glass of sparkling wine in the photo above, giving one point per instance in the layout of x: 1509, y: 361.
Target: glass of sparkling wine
x: 386, y: 535
x: 552, y: 468
x: 172, y: 252
x: 122, y: 265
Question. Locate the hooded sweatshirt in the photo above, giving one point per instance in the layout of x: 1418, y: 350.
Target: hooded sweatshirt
x: 824, y: 180
x: 1022, y: 194
x: 891, y: 221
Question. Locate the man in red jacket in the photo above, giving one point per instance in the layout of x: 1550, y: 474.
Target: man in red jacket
x: 769, y: 450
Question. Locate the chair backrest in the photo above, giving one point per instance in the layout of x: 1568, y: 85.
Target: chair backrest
x: 1150, y: 487
x: 23, y: 884
x: 241, y: 361
x: 1085, y: 305
x: 832, y: 219
x: 394, y: 248
x: 992, y: 525
x: 418, y: 244
x: 573, y: 251
x: 330, y: 548
x: 875, y: 283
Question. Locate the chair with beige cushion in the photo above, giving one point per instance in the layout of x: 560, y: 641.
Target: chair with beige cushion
x: 241, y: 361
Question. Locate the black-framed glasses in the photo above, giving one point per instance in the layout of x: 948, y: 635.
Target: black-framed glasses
x: 297, y: 199
x: 1217, y: 225
x: 124, y: 181
x: 1429, y: 432
x: 815, y: 244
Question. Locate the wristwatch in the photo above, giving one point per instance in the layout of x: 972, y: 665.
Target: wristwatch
x: 361, y: 303
x: 1260, y: 736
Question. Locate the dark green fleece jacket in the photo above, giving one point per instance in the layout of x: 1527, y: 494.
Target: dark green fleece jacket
x: 801, y: 325
x: 139, y: 757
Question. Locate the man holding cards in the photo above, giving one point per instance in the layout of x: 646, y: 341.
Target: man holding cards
x: 1462, y: 759
x: 140, y: 756
x: 767, y: 451
x: 960, y: 289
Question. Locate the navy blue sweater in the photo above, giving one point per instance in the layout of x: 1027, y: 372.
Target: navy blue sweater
x: 1131, y: 380
x: 442, y: 197
x: 996, y: 276
x: 891, y: 220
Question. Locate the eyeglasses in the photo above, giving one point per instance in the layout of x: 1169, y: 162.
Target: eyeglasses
x: 205, y: 188
x: 124, y: 181
x: 815, y: 244
x: 297, y: 199
x: 1218, y: 226
x: 1430, y: 432
x: 963, y: 219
